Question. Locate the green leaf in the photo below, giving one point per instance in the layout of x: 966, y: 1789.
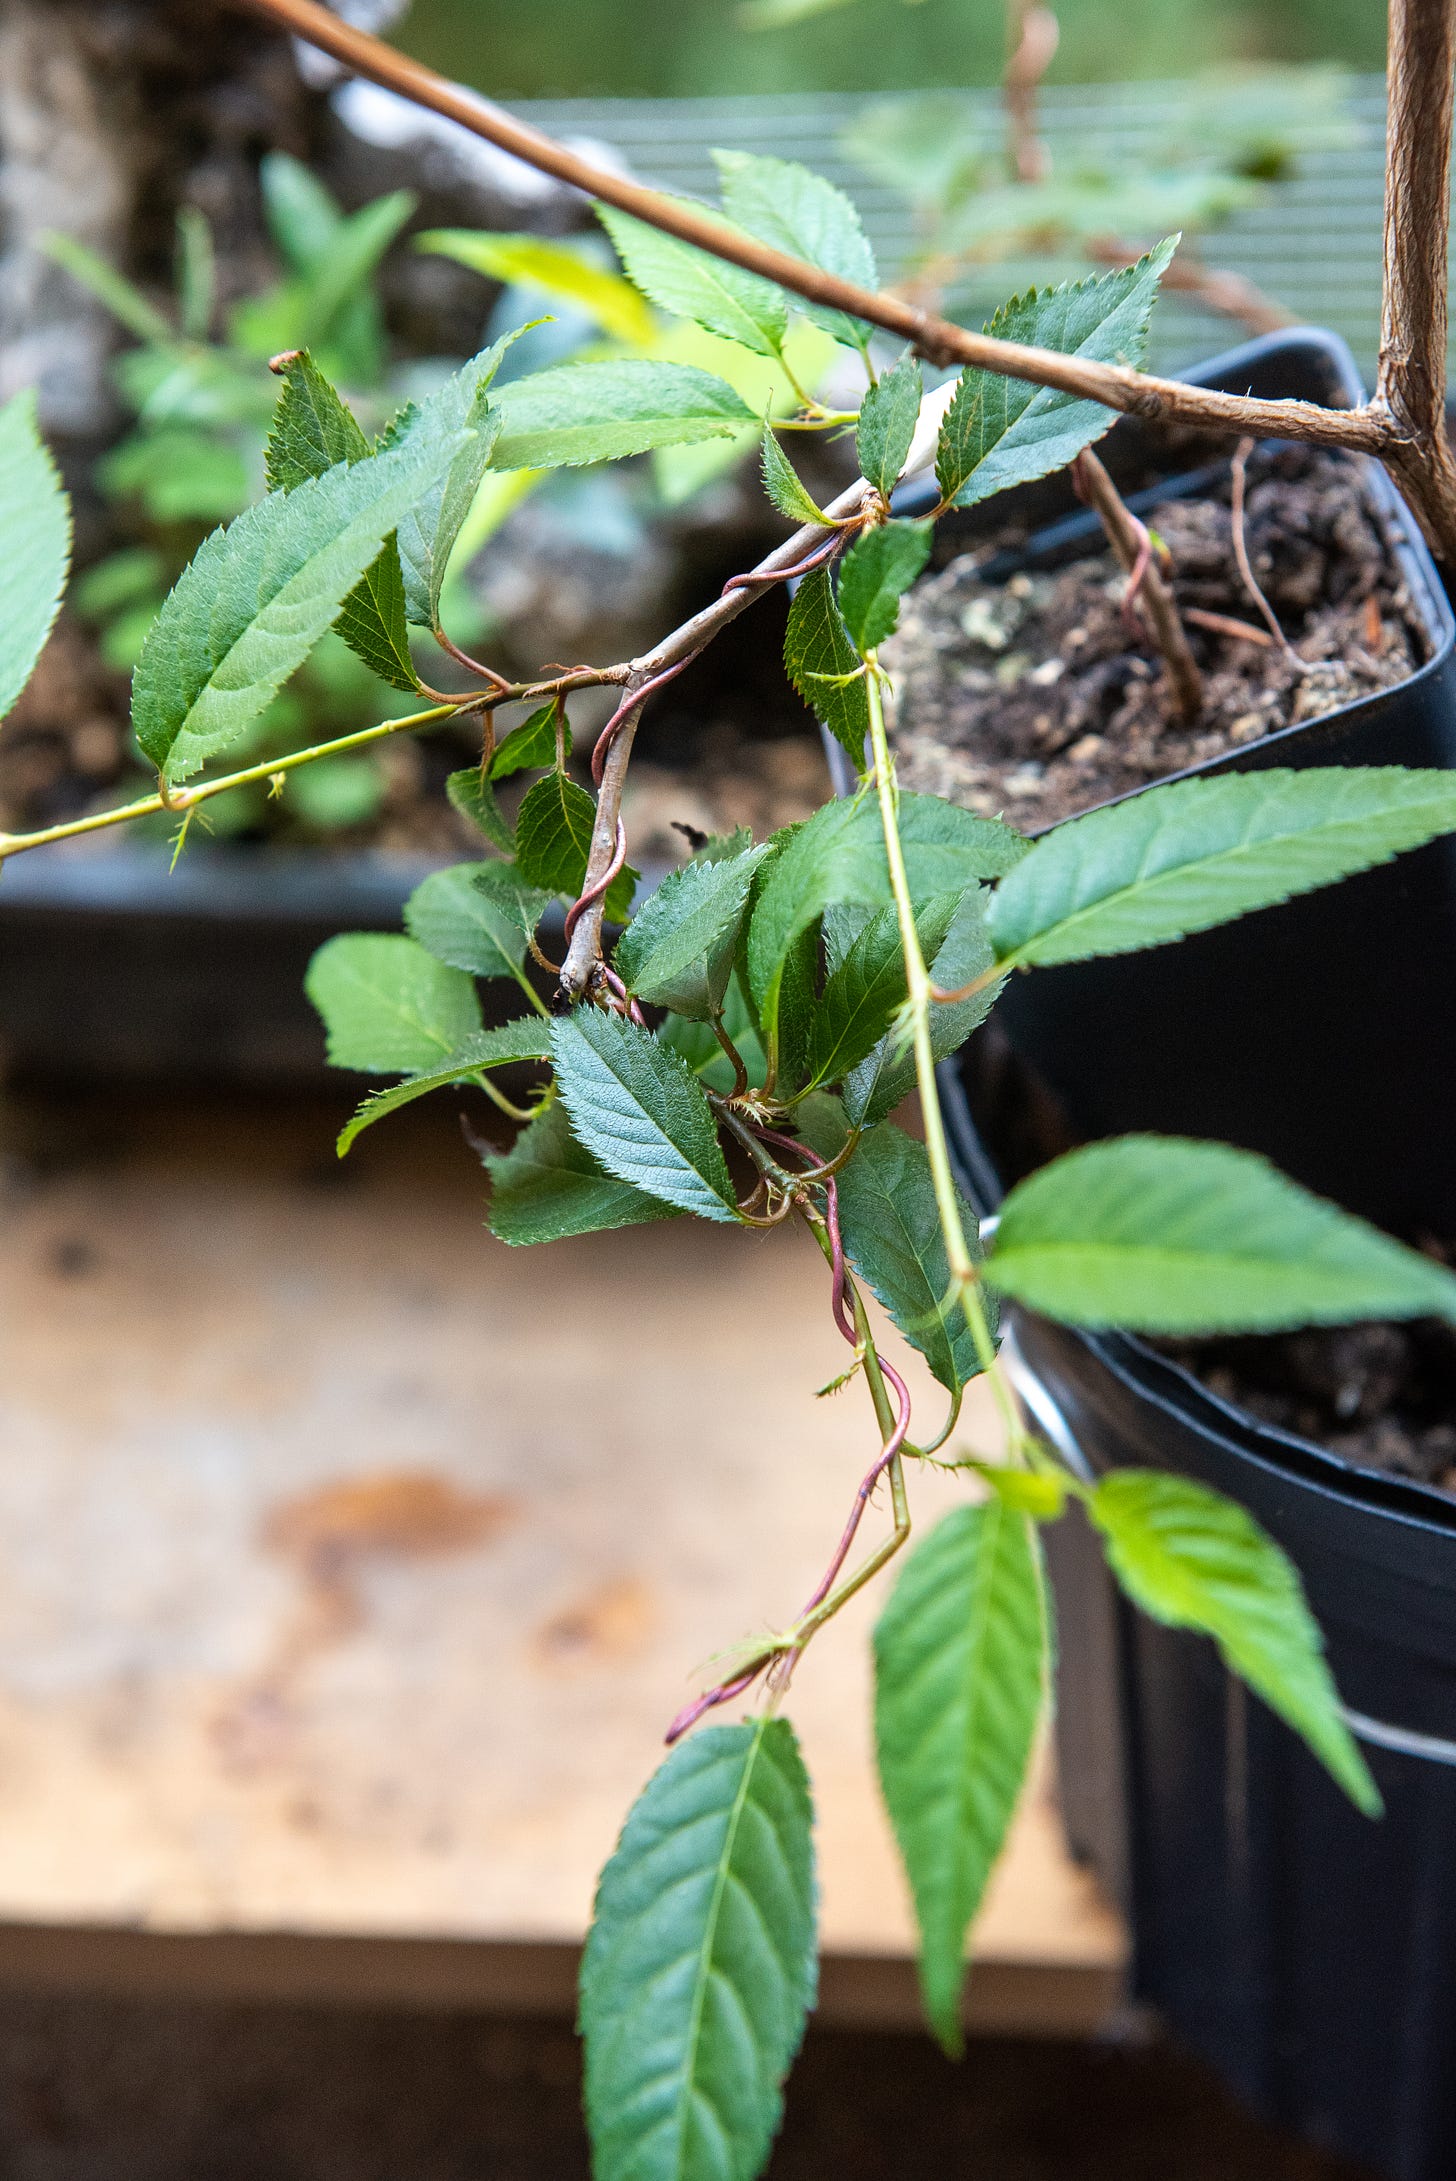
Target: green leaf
x: 892, y: 1237
x: 313, y: 429
x: 303, y: 217
x: 196, y: 274
x: 875, y: 574
x: 35, y: 545
x: 528, y: 1039
x: 475, y: 926
x: 553, y: 839
x: 641, y: 1112
x: 960, y: 1674
x: 678, y: 950
x: 1194, y: 853
x: 824, y: 666
x: 599, y: 412
x: 387, y: 1006
x: 345, y: 269
x: 781, y: 483
x: 866, y: 983
x: 1193, y: 1559
x: 180, y: 473
x: 428, y: 533
x: 887, y: 420
x: 720, y: 297
x: 475, y: 799
x: 125, y: 302
x: 887, y: 1075
x: 531, y: 744
x: 342, y: 272
x: 548, y: 1186
x: 1162, y: 1235
x: 795, y: 210
x: 839, y: 855
x: 699, y: 1968
x: 557, y: 269
x: 1000, y: 432
x: 258, y: 597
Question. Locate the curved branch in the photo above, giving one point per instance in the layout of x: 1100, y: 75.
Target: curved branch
x: 1371, y: 430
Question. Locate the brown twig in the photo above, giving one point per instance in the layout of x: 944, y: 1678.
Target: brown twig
x: 1224, y: 624
x: 1239, y: 469
x: 614, y: 745
x: 1131, y: 543
x: 1410, y: 386
x: 1231, y: 294
x: 1033, y: 34
x: 1117, y: 386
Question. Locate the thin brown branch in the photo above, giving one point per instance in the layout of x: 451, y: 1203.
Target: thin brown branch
x: 1117, y: 386
x: 1231, y: 294
x: 1241, y: 553
x: 1129, y: 541
x: 1033, y: 34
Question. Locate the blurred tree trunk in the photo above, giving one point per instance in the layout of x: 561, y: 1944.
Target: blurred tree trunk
x: 113, y: 114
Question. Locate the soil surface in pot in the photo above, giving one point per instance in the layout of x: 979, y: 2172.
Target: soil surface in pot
x: 1034, y: 697
x: 1381, y: 1396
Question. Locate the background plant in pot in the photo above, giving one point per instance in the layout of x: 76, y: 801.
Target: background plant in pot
x: 737, y: 1053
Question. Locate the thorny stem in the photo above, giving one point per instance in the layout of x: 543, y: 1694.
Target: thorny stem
x: 170, y: 798
x: 1132, y: 544
x: 964, y: 1279
x: 1118, y: 386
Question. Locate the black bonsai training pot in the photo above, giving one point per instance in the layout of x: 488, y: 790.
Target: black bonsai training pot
x: 1308, y: 1953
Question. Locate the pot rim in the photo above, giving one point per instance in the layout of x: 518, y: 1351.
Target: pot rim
x: 1169, y: 1386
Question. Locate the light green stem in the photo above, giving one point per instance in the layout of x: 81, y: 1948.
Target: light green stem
x: 964, y: 1277
x: 176, y: 801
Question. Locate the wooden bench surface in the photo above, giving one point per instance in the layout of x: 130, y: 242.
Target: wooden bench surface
x: 351, y: 1565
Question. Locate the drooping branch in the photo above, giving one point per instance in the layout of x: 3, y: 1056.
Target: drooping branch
x: 1411, y: 384
x: 1117, y: 386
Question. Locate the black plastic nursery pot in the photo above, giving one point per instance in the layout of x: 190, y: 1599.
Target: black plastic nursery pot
x: 113, y: 966
x: 1307, y: 1952
x: 1322, y: 1032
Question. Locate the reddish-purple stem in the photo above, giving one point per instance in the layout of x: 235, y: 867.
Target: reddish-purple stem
x: 785, y: 575
x: 723, y: 1694
x: 882, y: 1462
x: 630, y: 704
x: 592, y: 894
x: 727, y: 1690
x: 1138, y: 570
x: 618, y: 991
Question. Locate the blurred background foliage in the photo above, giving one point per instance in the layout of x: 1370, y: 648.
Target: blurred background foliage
x: 582, y: 48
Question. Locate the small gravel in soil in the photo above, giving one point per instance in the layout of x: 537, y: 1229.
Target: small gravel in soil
x: 1029, y: 699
